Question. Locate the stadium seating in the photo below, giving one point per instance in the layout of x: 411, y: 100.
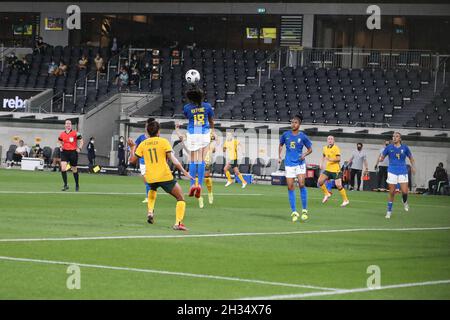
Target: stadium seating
x: 330, y: 96
x: 434, y: 115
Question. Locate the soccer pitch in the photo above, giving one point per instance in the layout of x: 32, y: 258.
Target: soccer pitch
x: 243, y: 246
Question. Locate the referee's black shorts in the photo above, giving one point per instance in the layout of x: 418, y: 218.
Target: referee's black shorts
x: 70, y: 156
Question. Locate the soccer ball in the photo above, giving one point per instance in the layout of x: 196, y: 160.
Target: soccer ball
x: 304, y: 217
x: 192, y: 76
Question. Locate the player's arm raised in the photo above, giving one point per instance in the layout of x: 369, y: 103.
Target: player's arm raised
x: 133, y: 158
x: 177, y: 164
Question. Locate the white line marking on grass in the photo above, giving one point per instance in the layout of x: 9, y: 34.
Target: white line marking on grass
x: 181, y: 274
x: 347, y: 291
x: 117, y: 193
x: 219, y: 235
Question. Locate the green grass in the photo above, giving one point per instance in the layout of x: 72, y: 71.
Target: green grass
x: 31, y: 206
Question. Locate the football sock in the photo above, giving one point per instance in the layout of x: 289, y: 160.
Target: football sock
x: 209, y: 185
x: 151, y: 200
x: 201, y: 172
x: 304, y: 197
x: 242, y: 178
x: 147, y: 189
x: 196, y: 181
x: 64, y: 176
x: 343, y: 194
x: 75, y: 175
x: 193, y: 171
x: 180, y: 209
x: 405, y: 197
x: 291, y: 194
x: 324, y: 189
x: 227, y: 173
x: 389, y: 206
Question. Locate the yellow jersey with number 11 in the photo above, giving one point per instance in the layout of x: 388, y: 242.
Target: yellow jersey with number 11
x: 154, y: 151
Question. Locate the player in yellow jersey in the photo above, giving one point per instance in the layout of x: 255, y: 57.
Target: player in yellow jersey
x: 332, y: 170
x: 208, y: 169
x: 156, y: 151
x: 231, y: 146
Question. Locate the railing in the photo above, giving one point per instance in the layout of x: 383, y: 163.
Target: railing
x: 135, y: 106
x: 364, y: 58
x: 441, y: 65
x: 271, y: 62
x: 354, y: 58
x: 3, y: 52
x: 56, y: 99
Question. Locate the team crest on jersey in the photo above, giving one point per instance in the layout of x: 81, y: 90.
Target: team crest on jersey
x: 71, y: 139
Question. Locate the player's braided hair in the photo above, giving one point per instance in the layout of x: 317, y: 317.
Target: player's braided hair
x: 195, y: 95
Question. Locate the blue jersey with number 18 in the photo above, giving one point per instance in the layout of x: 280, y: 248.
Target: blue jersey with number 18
x: 198, y: 117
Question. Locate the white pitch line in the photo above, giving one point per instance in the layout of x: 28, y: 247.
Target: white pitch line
x: 219, y: 235
x: 117, y: 193
x: 348, y: 291
x: 172, y: 273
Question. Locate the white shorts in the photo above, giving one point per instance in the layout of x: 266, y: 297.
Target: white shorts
x: 142, y: 169
x: 396, y: 178
x: 197, y: 141
x: 293, y: 172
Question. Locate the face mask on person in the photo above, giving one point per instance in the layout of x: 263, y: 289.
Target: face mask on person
x: 92, y: 141
x: 359, y: 148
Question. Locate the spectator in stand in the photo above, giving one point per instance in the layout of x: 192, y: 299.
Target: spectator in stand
x: 99, y: 63
x: 440, y: 179
x: 56, y: 162
x: 83, y: 62
x: 146, y: 71
x: 123, y: 78
x: 52, y: 68
x: 61, y: 70
x: 134, y: 63
x: 12, y: 60
x: 24, y: 67
x: 22, y: 150
x: 134, y: 78
x: 37, y: 151
x: 114, y: 46
x: 382, y: 168
x: 39, y: 46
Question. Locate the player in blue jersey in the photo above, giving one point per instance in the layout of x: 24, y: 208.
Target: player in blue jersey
x: 138, y: 141
x: 201, y: 123
x: 295, y: 164
x: 397, y: 170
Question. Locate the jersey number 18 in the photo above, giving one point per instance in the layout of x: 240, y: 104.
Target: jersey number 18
x: 199, y: 119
